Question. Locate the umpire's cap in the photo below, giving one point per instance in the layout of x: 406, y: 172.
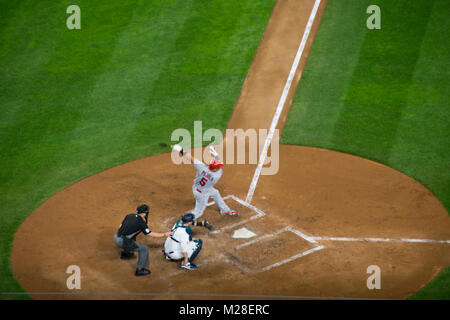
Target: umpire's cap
x: 143, y: 208
x: 188, y: 217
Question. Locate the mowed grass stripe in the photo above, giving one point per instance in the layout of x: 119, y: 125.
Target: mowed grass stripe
x: 204, y: 72
x: 377, y: 94
x: 24, y: 48
x: 331, y: 63
x: 55, y: 101
x: 118, y: 103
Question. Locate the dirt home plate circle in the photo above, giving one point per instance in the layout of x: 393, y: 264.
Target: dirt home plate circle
x: 316, y: 227
x: 329, y: 195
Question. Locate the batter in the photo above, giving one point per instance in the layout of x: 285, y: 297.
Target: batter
x: 205, y: 179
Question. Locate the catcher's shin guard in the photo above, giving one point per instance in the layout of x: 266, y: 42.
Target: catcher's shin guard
x: 197, y: 250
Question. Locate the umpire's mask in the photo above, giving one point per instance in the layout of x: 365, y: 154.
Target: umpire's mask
x: 143, y: 208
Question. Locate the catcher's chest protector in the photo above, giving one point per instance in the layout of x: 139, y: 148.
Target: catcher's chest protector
x: 187, y: 229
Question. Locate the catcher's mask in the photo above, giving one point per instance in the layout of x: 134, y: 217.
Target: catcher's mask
x: 215, y: 164
x: 188, y: 217
x: 143, y: 208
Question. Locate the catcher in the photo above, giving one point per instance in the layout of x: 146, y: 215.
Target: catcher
x: 180, y: 246
x: 206, y: 177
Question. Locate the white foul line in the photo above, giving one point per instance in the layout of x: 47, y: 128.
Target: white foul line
x: 224, y: 198
x: 282, y: 102
x: 380, y: 240
x: 248, y: 205
x: 285, y: 229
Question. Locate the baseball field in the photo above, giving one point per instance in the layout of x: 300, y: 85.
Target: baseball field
x: 363, y: 175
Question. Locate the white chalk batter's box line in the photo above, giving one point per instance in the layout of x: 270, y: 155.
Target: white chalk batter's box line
x: 258, y: 214
x: 313, y: 242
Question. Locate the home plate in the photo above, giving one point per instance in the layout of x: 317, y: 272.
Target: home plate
x: 243, y: 233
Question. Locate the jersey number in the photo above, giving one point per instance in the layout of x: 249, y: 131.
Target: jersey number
x: 203, y: 182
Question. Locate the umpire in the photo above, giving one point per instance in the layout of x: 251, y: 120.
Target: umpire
x: 125, y: 238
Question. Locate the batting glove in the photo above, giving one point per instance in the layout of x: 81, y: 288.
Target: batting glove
x: 178, y: 148
x: 213, y: 152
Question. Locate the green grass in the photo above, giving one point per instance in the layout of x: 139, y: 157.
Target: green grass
x: 381, y: 94
x: 438, y: 289
x: 76, y: 102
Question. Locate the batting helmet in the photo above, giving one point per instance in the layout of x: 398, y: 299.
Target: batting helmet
x: 215, y: 164
x: 188, y: 217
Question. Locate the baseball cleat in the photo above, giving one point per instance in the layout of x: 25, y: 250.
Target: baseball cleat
x: 189, y: 266
x: 126, y: 255
x: 142, y: 272
x: 229, y: 213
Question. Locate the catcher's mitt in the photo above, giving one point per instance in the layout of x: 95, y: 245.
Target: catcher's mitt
x: 209, y: 226
x: 205, y: 224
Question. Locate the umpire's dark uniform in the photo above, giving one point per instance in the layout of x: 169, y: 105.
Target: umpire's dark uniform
x: 125, y: 238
